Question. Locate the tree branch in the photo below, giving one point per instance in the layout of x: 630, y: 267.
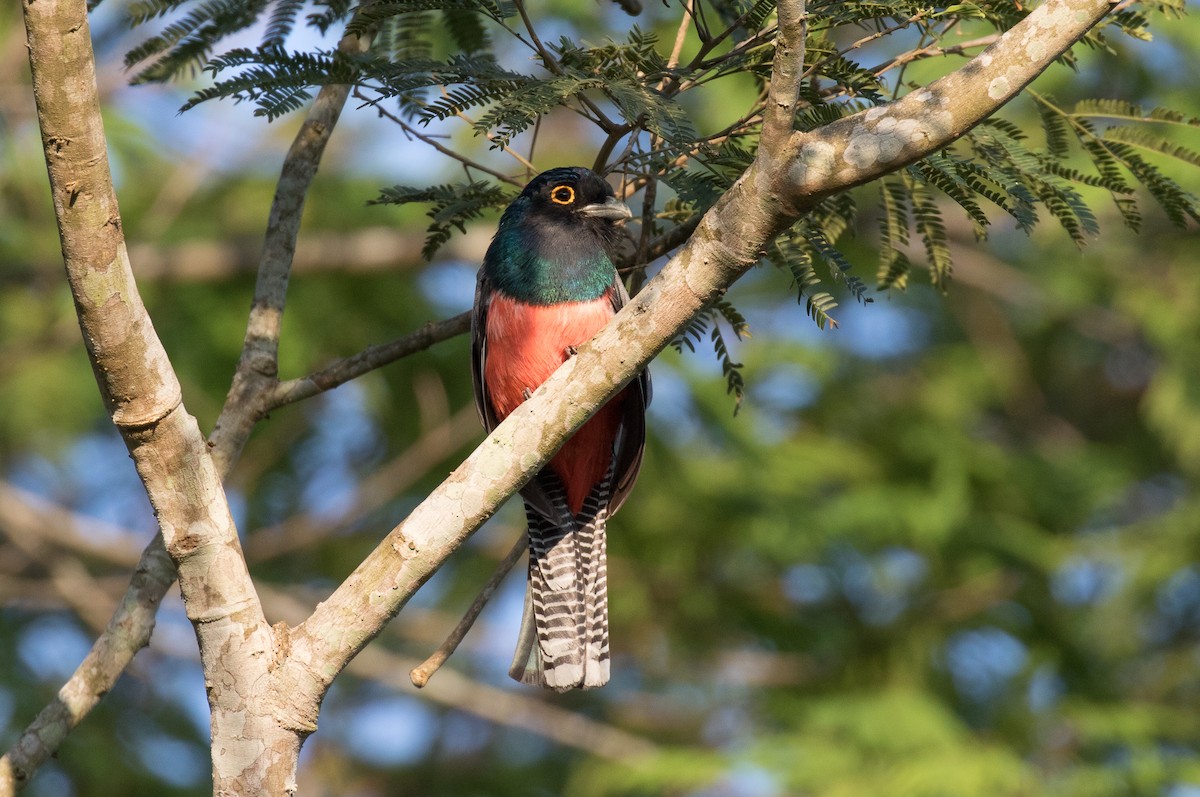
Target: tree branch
x: 421, y: 674
x: 412, y: 132
x: 136, y: 379
x: 862, y: 147
x: 787, y: 72
x: 786, y: 178
x: 258, y: 367
x: 791, y: 173
x: 500, y: 706
x: 342, y: 371
x: 127, y: 632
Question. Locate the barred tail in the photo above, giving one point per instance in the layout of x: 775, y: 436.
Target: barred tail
x: 564, y: 631
x: 593, y: 543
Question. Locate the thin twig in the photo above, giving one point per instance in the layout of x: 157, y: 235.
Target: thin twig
x: 680, y: 38
x: 600, y: 165
x: 552, y: 65
x: 521, y: 159
x: 409, y: 130
x: 649, y: 198
x: 421, y: 674
x: 710, y: 43
x: 537, y: 128
x: 127, y: 632
x: 865, y: 40
x: 504, y: 707
x: 370, y: 358
x: 932, y: 52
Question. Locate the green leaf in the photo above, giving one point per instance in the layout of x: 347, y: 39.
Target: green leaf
x: 1149, y: 140
x: 927, y: 219
x: 452, y: 207
x: 1130, y: 112
x: 893, y: 233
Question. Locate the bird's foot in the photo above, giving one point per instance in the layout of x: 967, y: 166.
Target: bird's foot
x: 526, y: 393
x: 570, y: 351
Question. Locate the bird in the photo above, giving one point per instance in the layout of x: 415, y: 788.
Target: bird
x: 548, y: 285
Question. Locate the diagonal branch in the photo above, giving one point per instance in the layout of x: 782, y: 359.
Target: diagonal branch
x: 790, y: 174
x: 258, y: 368
x: 126, y: 633
x: 370, y: 358
x: 862, y: 147
x: 421, y: 674
x: 140, y: 389
x: 503, y: 707
x: 147, y: 405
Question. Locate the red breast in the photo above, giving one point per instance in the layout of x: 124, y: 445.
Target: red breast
x: 525, y: 344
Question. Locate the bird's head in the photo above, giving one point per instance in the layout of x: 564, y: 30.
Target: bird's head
x: 555, y: 239
x: 575, y: 197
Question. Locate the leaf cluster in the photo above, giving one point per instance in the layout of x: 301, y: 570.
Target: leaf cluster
x: 708, y: 323
x: 452, y: 207
x: 441, y: 60
x: 1097, y: 144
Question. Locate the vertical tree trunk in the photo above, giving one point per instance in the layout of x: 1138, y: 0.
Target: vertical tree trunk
x: 265, y: 685
x: 254, y: 744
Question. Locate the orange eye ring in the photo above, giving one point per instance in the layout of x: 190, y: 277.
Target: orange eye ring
x: 562, y: 195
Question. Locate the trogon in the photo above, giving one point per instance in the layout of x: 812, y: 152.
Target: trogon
x: 548, y: 285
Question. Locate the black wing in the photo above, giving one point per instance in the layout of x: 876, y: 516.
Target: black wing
x: 483, y: 404
x: 631, y: 442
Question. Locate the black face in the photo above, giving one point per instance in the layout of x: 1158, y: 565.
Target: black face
x: 555, y: 241
x: 567, y: 190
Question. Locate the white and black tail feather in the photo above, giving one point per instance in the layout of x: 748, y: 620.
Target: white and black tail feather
x: 593, y: 543
x: 564, y: 631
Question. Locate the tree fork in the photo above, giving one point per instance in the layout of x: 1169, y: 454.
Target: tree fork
x: 276, y: 679
x: 253, y: 753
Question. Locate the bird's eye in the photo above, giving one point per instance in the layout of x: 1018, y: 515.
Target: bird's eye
x: 562, y: 195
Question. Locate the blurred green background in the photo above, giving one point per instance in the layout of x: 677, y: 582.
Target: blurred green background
x: 948, y: 548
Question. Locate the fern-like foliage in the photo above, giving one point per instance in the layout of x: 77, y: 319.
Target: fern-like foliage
x: 275, y: 80
x: 370, y: 16
x: 331, y: 13
x: 812, y: 243
x: 442, y: 63
x: 185, y: 45
x: 1101, y: 144
x: 281, y: 23
x: 1115, y: 136
x: 452, y: 207
x: 708, y: 323
x: 893, y: 234
x: 792, y: 253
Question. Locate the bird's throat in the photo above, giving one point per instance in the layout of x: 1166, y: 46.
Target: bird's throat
x: 547, y: 264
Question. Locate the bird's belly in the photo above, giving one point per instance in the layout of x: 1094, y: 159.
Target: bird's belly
x: 525, y: 344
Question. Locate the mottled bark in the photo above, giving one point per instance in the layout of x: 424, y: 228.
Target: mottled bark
x: 784, y: 181
x: 266, y: 685
x: 144, y: 400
